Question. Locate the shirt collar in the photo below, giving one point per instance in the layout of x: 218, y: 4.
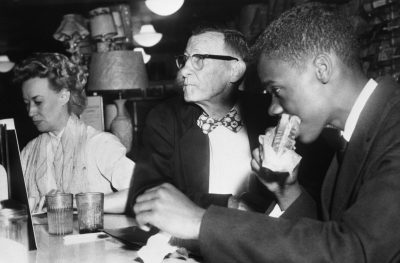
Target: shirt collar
x: 357, y: 108
x: 232, y: 120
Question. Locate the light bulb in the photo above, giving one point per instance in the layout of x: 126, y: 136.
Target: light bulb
x: 147, y: 37
x: 164, y: 7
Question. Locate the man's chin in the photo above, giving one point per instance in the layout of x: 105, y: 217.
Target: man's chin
x: 41, y: 128
x: 307, y: 138
x: 187, y: 97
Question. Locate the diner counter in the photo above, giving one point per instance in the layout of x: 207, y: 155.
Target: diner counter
x: 52, y: 248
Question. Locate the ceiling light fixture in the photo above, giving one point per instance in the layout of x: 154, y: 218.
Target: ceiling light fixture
x: 5, y: 63
x: 164, y: 7
x: 147, y: 37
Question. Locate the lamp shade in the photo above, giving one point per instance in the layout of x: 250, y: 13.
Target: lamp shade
x: 164, y: 7
x: 117, y: 70
x: 102, y: 23
x: 72, y: 27
x: 147, y: 37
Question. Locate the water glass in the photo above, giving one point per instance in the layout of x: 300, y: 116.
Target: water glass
x: 14, y: 224
x: 60, y: 213
x: 90, y: 212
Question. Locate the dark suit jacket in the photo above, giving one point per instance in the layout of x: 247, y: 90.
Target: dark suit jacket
x: 360, y: 203
x: 176, y: 151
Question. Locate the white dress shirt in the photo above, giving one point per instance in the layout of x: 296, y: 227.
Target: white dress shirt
x: 230, y: 158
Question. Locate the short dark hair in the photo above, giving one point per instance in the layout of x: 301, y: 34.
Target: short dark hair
x: 308, y: 29
x: 61, y: 72
x: 234, y: 39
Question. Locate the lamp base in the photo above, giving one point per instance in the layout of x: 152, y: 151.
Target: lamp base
x: 121, y: 126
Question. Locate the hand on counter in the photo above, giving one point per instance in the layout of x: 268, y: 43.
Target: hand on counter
x: 166, y: 208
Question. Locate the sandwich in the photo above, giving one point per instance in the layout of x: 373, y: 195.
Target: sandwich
x: 277, y: 150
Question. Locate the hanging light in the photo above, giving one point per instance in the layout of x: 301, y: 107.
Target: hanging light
x: 147, y: 37
x: 5, y: 63
x: 146, y: 57
x: 164, y: 7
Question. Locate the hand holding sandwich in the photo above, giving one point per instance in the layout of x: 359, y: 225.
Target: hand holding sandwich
x: 276, y: 162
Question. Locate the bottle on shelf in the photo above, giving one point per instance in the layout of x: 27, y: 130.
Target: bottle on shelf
x: 369, y: 7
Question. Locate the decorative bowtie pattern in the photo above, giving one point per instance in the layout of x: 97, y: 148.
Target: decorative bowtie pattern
x: 232, y: 121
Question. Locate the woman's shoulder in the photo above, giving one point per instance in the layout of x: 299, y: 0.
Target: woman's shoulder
x: 31, y: 143
x: 101, y: 138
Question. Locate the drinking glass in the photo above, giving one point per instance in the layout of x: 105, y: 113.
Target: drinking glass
x: 90, y: 211
x: 60, y: 213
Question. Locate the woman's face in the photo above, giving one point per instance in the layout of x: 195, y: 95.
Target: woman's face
x: 47, y: 108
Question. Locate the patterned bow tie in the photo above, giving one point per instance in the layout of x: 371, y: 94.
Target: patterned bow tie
x: 232, y: 121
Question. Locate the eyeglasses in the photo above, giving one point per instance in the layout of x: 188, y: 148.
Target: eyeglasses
x: 197, y: 60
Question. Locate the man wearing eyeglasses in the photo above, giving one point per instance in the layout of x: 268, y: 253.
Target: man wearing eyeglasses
x: 202, y: 143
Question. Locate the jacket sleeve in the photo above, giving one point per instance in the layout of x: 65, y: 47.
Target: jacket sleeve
x: 154, y: 164
x: 365, y: 231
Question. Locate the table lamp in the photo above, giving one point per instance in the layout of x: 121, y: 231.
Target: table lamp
x: 102, y: 27
x: 71, y: 32
x: 118, y: 71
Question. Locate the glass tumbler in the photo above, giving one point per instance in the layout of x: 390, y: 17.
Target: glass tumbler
x: 90, y: 212
x: 14, y: 225
x: 60, y: 213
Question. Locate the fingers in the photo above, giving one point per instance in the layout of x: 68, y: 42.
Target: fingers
x: 143, y: 220
x: 256, y: 160
x: 145, y: 227
x: 255, y: 165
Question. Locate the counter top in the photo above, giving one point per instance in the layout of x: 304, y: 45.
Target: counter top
x: 53, y: 248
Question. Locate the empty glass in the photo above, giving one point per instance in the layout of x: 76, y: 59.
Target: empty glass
x: 90, y: 212
x: 60, y: 213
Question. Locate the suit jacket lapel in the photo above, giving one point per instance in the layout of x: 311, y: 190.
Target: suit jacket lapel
x: 195, y: 157
x: 327, y: 188
x: 359, y: 146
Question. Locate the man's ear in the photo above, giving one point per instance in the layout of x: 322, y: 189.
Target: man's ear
x: 238, y: 71
x: 64, y: 96
x: 323, y: 67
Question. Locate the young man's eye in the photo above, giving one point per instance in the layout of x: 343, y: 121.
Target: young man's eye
x: 275, y: 91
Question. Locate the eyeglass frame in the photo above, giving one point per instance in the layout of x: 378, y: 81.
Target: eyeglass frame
x: 201, y: 58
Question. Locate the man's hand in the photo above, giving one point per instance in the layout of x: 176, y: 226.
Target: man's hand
x: 287, y: 192
x: 166, y: 208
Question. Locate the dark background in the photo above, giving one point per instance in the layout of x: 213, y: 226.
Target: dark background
x: 27, y: 26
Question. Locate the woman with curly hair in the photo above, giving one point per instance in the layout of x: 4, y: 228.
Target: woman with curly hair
x: 68, y: 156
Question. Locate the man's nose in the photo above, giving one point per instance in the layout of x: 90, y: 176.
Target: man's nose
x: 275, y: 108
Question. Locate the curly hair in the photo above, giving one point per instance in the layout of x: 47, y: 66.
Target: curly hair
x: 61, y: 72
x: 234, y: 39
x: 306, y: 30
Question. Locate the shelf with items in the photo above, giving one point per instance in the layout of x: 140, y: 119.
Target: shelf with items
x: 380, y: 44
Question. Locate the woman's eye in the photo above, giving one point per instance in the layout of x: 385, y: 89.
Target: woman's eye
x: 37, y: 103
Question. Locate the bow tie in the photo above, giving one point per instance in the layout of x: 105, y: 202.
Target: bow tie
x: 232, y: 121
